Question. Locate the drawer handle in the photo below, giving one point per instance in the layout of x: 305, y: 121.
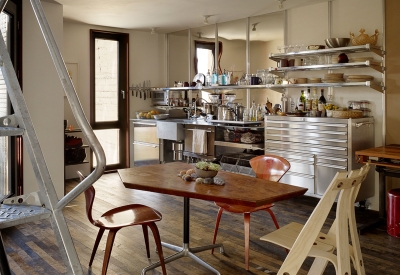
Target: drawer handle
x: 332, y: 166
x: 146, y: 144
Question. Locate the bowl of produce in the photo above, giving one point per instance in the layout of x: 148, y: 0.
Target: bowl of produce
x: 337, y: 42
x: 206, y: 169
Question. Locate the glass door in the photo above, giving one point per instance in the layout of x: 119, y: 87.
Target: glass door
x: 109, y: 95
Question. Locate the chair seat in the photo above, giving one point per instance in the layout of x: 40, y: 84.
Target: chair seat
x: 234, y: 208
x: 287, y: 235
x: 127, y: 215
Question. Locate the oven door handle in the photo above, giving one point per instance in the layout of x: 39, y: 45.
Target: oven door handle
x: 145, y: 123
x: 146, y: 144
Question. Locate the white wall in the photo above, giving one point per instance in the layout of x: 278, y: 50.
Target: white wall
x: 309, y: 25
x: 146, y: 62
x: 44, y: 94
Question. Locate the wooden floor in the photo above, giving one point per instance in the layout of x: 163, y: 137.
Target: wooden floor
x: 32, y: 249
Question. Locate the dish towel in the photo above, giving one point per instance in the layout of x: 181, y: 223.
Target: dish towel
x: 199, y: 141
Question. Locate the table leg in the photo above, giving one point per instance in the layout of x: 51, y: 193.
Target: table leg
x: 4, y: 266
x: 185, y: 250
x: 382, y: 202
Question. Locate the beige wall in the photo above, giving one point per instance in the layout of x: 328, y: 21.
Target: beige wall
x: 392, y: 40
x: 44, y: 94
x: 146, y: 62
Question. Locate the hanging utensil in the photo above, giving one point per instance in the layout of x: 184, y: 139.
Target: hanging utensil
x: 149, y: 89
x: 140, y: 91
x: 144, y: 90
x: 137, y: 89
x: 132, y: 89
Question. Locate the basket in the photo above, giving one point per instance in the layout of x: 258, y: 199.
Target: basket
x: 364, y: 39
x: 347, y: 114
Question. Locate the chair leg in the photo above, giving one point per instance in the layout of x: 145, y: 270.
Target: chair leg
x: 273, y: 217
x: 246, y: 238
x: 157, y: 240
x: 146, y: 239
x: 107, y: 253
x: 216, y: 227
x: 96, y: 245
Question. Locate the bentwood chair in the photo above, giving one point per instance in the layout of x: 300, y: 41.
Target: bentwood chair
x: 308, y: 241
x: 269, y: 167
x: 120, y: 217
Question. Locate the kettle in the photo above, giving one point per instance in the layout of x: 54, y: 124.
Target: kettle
x: 226, y: 113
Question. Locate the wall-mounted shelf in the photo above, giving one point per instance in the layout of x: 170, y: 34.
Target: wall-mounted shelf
x: 352, y: 49
x: 373, y: 85
x: 366, y: 64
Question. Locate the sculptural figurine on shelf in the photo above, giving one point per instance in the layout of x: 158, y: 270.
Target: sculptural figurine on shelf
x: 363, y: 38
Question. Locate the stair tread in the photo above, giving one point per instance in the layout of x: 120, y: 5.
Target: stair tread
x: 12, y: 215
x: 11, y: 131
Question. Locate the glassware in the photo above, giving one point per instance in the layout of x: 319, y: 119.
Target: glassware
x: 285, y: 48
x: 290, y: 48
x: 279, y: 48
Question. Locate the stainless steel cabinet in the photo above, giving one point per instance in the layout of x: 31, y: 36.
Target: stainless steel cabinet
x: 319, y: 147
x: 145, y: 147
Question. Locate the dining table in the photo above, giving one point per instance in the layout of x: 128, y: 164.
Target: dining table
x: 386, y: 159
x: 237, y: 189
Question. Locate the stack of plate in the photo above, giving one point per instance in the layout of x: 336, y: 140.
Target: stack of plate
x: 333, y: 78
x: 314, y: 80
x: 359, y: 78
x: 361, y: 59
x: 301, y: 80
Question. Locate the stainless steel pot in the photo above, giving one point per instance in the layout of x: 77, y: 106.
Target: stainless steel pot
x: 210, y: 108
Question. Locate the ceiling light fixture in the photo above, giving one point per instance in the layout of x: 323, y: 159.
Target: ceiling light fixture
x: 254, y: 26
x: 153, y: 31
x: 280, y: 3
x: 205, y: 21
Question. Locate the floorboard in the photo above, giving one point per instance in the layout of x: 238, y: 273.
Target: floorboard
x: 32, y: 249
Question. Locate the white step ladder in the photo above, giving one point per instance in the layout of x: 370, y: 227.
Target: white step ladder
x: 44, y: 203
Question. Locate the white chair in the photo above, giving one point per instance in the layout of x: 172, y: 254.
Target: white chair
x: 308, y: 241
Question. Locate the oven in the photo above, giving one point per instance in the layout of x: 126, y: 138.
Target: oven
x: 159, y: 98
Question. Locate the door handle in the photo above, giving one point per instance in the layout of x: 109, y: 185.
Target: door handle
x: 123, y: 94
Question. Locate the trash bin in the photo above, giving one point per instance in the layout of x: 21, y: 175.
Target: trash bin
x: 393, y: 213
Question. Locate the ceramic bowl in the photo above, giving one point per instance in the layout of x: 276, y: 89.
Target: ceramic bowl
x: 205, y: 174
x: 161, y: 116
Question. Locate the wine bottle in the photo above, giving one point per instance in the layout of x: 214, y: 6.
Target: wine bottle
x: 308, y: 101
x: 322, y: 103
x: 302, y: 101
x: 322, y: 99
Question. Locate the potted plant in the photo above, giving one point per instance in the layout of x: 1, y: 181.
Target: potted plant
x: 206, y: 169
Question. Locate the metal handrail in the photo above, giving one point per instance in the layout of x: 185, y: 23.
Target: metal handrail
x: 75, y: 106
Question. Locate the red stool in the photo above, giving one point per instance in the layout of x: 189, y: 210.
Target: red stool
x: 393, y: 213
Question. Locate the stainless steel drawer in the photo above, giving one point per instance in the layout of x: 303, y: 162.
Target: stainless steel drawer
x: 300, y: 147
x: 299, y: 163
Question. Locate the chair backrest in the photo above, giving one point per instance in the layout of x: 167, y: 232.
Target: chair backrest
x: 90, y: 193
x: 269, y: 167
x: 344, y: 187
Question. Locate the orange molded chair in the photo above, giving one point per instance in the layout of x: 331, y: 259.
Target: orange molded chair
x: 119, y: 217
x: 267, y: 167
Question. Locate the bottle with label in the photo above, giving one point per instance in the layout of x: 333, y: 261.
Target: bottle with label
x: 308, y: 101
x: 322, y: 103
x: 301, y: 102
x: 314, y: 107
x: 259, y: 113
x: 208, y: 78
x: 214, y: 77
x: 253, y: 112
x: 223, y: 78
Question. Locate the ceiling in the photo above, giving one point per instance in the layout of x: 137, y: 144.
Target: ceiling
x: 168, y: 15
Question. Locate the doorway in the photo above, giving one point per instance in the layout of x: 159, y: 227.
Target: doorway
x: 109, y: 101
x: 11, y: 147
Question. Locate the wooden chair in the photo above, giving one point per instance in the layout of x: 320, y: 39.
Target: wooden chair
x: 307, y: 240
x: 267, y: 167
x: 120, y: 217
